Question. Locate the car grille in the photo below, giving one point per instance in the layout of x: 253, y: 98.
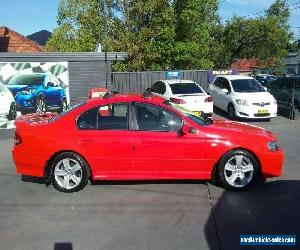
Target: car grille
x: 262, y: 115
x: 261, y: 104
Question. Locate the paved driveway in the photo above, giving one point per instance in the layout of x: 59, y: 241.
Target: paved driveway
x: 148, y: 215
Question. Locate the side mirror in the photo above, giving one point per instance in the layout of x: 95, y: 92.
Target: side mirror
x: 225, y: 91
x: 185, y: 129
x: 149, y: 89
x: 50, y: 84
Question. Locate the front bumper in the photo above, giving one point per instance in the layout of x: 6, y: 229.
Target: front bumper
x: 272, y: 163
x: 255, y: 112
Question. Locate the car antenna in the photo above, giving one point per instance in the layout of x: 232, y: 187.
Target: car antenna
x: 147, y: 94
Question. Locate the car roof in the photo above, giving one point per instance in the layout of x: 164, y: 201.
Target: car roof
x: 174, y: 81
x: 126, y: 98
x: 235, y: 77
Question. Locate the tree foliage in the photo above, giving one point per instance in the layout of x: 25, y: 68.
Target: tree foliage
x: 170, y: 34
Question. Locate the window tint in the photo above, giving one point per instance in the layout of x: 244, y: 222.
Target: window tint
x: 33, y: 79
x: 225, y: 84
x: 108, y: 117
x: 185, y: 88
x: 218, y: 82
x: 88, y: 120
x: 159, y: 87
x: 113, y: 117
x: 154, y: 118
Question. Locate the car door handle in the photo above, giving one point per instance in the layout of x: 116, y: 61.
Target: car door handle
x: 87, y: 140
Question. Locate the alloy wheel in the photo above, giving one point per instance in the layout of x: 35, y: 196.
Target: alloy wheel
x: 239, y: 171
x: 68, y: 173
x: 40, y: 106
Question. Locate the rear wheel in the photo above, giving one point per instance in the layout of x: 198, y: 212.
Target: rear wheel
x: 237, y: 170
x: 63, y: 105
x: 231, y: 112
x: 12, y: 112
x: 70, y: 172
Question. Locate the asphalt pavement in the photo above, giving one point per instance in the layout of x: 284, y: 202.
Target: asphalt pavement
x: 148, y: 215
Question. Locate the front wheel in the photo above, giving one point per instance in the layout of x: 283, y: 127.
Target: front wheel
x: 237, y: 170
x: 231, y: 112
x: 70, y: 172
x: 12, y: 112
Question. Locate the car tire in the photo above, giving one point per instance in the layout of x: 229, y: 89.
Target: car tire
x: 63, y: 105
x: 231, y: 112
x: 237, y: 170
x: 40, y: 105
x: 69, y: 172
x: 12, y: 112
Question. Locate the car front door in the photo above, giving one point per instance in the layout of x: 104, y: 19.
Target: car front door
x: 159, y: 149
x: 106, y: 139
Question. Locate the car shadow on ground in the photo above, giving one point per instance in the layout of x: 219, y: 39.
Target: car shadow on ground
x: 32, y: 179
x: 268, y: 208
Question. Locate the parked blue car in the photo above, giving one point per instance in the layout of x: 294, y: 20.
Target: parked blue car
x: 37, y: 92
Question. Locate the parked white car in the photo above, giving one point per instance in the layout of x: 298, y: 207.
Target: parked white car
x: 186, y: 94
x: 7, y: 103
x: 242, y: 96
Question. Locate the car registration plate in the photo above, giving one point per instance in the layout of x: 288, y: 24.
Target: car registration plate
x: 262, y: 111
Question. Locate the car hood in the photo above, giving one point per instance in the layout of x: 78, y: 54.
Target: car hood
x: 231, y: 127
x: 255, y: 97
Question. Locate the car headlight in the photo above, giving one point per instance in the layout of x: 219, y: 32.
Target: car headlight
x: 242, y: 102
x: 27, y: 92
x: 273, y: 146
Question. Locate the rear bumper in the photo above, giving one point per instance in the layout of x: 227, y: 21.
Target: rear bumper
x: 272, y: 164
x: 28, y: 163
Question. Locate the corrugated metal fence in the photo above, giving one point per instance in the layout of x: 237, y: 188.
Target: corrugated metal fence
x: 138, y: 82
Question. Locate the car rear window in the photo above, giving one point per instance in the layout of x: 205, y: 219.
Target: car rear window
x: 33, y: 79
x: 185, y: 88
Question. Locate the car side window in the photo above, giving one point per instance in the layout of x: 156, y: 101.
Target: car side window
x: 218, y: 82
x: 88, y: 120
x: 159, y: 87
x: 154, y: 118
x: 113, y: 117
x: 107, y: 117
x: 225, y: 84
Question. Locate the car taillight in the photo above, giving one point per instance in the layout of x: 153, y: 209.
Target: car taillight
x: 208, y: 99
x: 177, y: 101
x: 17, y: 139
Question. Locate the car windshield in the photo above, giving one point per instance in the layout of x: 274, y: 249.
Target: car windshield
x: 53, y: 119
x: 198, y: 119
x: 33, y: 79
x: 246, y: 85
x: 185, y: 88
x: 2, y: 88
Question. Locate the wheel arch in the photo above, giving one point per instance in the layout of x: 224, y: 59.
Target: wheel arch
x: 214, y: 175
x: 47, y: 168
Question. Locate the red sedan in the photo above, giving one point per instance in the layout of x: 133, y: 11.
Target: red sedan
x: 133, y: 137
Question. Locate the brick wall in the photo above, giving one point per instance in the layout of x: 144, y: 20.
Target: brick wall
x: 11, y: 41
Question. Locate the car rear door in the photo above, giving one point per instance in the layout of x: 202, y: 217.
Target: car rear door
x: 159, y: 150
x: 106, y: 140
